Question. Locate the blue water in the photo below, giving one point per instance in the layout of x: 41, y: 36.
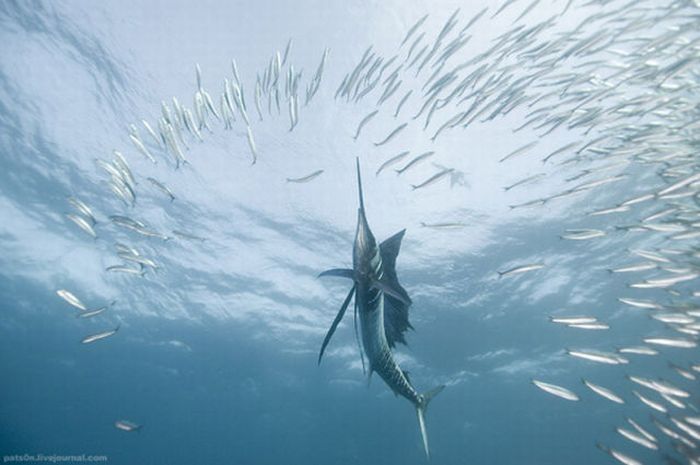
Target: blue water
x: 216, y: 352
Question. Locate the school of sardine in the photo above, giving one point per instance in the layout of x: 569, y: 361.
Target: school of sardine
x: 621, y: 84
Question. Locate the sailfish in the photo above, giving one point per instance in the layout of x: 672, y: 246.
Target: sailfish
x: 381, y: 304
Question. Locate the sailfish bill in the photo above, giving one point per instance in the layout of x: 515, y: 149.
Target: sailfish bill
x: 381, y: 305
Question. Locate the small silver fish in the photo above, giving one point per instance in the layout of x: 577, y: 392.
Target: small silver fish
x: 188, y: 236
x: 125, y: 269
x: 98, y: 336
x: 660, y: 386
x: 573, y: 320
x: 603, y: 392
x: 671, y: 342
x: 142, y: 148
x: 526, y: 11
x: 455, y: 225
x: 126, y: 221
x: 306, y: 178
x: 198, y: 72
x: 257, y: 95
x: 641, y: 430
x: 391, y: 161
x: 619, y: 456
x: 582, y: 234
x: 636, y: 200
x: 123, y: 248
x: 122, y: 192
x: 599, y: 182
x: 527, y: 180
x: 684, y: 373
x: 505, y: 5
x: 251, y: 144
x: 127, y: 426
x: 190, y: 125
x: 413, y: 29
x: 153, y: 134
x: 659, y: 214
x: 672, y: 434
x: 123, y: 166
x: 71, y: 299
x: 416, y: 160
x: 650, y: 403
x: 607, y: 211
x: 559, y: 150
x: 403, y: 100
x: 556, y: 390
x: 234, y: 69
x: 83, y: 208
x: 665, y: 227
x: 673, y: 318
x: 593, y: 326
x: 650, y: 255
x: 97, y: 311
x: 639, y: 303
x: 108, y: 167
x: 91, y: 313
x: 598, y: 357
x: 391, y: 135
x: 680, y: 184
x: 433, y: 179
x: 143, y: 261
x: 518, y: 151
x: 364, y: 121
x: 149, y: 233
x: 521, y: 269
x: 162, y: 187
x: 662, y: 283
x: 83, y: 224
x: 645, y: 266
x: 690, y: 431
x: 210, y: 104
x: 673, y: 401
x: 529, y: 203
x: 638, y: 350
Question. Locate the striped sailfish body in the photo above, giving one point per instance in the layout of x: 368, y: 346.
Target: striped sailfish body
x: 381, y: 305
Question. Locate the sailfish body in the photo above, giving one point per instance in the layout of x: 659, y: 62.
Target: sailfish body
x: 381, y: 304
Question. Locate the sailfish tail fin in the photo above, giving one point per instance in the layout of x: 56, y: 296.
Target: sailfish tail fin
x: 421, y: 408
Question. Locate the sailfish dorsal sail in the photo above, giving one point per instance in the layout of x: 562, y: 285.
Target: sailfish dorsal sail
x: 396, y: 321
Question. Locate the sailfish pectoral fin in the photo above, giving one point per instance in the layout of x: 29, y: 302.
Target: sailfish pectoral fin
x: 339, y: 273
x: 389, y: 290
x: 336, y: 322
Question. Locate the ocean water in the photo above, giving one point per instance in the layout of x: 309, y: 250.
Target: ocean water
x: 216, y: 353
